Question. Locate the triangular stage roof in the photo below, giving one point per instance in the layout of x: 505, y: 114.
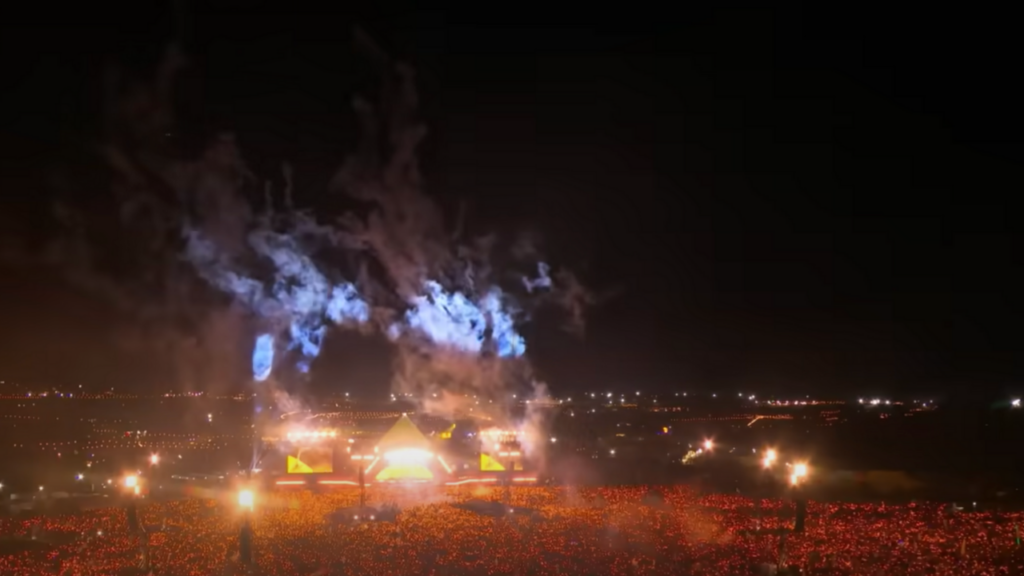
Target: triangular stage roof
x: 404, y: 434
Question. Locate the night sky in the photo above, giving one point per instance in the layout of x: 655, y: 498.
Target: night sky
x: 785, y: 200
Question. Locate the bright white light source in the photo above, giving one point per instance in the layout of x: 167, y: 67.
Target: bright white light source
x: 1015, y: 402
x: 407, y: 456
x: 131, y: 481
x: 154, y: 459
x: 708, y: 445
x: 246, y: 499
x: 799, y: 473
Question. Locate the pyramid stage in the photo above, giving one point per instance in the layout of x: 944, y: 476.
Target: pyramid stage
x: 403, y: 454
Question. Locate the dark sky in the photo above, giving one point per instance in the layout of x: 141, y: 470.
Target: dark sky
x: 783, y: 200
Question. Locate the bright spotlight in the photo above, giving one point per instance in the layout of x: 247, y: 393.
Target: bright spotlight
x: 1015, y: 402
x: 154, y: 459
x: 800, y: 470
x: 131, y: 481
x: 708, y: 445
x: 245, y: 499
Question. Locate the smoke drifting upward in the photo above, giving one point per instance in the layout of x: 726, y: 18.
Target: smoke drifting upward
x: 407, y: 275
x: 459, y: 351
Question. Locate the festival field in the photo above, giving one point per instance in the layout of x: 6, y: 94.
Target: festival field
x: 592, y: 532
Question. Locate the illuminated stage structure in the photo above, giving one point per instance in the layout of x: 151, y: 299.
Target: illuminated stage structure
x: 339, y: 457
x: 406, y: 455
x: 503, y: 458
x: 402, y: 455
x: 501, y: 451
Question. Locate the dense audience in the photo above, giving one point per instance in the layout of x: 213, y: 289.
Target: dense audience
x: 640, y: 530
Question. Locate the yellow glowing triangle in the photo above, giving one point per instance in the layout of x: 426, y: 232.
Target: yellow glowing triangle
x: 404, y: 434
x: 488, y: 464
x: 296, y: 466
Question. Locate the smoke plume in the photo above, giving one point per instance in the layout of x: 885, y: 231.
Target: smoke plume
x: 453, y: 318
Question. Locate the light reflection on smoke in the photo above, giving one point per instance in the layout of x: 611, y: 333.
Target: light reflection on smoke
x: 460, y: 352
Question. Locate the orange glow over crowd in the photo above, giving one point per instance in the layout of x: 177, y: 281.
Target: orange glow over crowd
x: 575, y: 531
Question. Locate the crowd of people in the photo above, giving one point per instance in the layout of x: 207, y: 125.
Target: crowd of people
x: 622, y: 530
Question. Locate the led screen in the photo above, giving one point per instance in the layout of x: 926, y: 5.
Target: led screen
x: 311, y: 460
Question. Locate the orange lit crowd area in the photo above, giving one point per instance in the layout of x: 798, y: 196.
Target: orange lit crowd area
x: 635, y: 530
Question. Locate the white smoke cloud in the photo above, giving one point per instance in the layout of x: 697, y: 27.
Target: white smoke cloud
x: 434, y: 294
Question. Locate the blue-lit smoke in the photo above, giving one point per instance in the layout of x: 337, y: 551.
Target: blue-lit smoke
x: 346, y: 305
x: 434, y: 299
x: 296, y: 304
x: 263, y: 357
x: 299, y: 301
x: 450, y: 319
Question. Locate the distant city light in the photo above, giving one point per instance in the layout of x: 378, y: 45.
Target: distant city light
x: 154, y: 459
